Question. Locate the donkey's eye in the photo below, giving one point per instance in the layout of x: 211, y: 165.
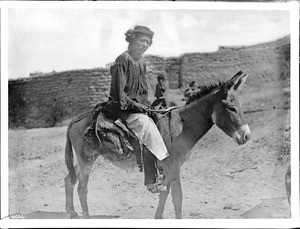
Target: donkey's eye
x: 231, y: 108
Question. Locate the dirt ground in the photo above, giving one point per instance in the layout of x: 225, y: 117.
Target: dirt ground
x: 220, y: 180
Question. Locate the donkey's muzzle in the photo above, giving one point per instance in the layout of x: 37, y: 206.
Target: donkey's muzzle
x: 242, y: 135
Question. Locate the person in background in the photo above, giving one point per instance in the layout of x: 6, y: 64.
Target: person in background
x: 56, y: 113
x: 160, y: 92
x: 191, y: 89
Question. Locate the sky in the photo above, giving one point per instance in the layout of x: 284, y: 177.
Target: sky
x: 66, y: 39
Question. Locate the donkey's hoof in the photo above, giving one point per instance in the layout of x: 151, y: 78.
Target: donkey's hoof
x: 158, y: 217
x: 72, y: 214
x: 86, y: 216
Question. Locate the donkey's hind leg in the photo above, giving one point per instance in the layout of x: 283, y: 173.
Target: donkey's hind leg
x: 161, y: 204
x: 85, y: 170
x: 69, y: 188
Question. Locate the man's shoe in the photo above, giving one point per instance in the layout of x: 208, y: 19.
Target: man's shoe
x: 156, y: 188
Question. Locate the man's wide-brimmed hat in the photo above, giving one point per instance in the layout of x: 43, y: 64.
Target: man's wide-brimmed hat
x: 138, y: 29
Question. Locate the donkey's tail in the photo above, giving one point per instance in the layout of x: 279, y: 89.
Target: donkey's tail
x: 69, y: 157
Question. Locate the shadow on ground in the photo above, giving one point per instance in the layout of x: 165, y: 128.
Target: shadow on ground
x: 57, y: 215
x: 269, y: 208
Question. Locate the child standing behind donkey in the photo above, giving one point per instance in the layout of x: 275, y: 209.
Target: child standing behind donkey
x: 160, y: 92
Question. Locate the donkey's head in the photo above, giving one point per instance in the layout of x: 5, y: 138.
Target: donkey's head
x: 227, y: 113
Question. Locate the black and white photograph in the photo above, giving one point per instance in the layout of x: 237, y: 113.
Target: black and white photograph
x: 150, y: 111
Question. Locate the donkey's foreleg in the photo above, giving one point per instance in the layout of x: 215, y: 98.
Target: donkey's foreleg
x: 69, y: 189
x: 82, y: 188
x: 177, y: 196
x: 161, y: 203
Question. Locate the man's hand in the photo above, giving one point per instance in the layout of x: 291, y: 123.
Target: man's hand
x: 140, y: 107
x: 151, y: 114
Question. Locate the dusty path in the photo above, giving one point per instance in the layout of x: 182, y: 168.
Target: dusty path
x: 219, y: 180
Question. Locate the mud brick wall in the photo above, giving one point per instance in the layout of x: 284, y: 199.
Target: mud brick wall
x: 32, y: 101
x: 173, y: 69
x: 263, y: 63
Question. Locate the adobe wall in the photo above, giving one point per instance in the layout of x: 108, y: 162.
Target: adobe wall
x: 32, y: 100
x: 264, y: 64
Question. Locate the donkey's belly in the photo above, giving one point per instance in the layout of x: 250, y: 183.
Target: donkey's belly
x: 121, y: 161
x: 125, y: 163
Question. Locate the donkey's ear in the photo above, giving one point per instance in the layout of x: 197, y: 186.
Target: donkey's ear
x: 236, y: 81
x: 240, y: 82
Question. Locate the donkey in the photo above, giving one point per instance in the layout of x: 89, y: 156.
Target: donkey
x: 181, y: 129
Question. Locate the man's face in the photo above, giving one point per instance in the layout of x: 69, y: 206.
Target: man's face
x: 140, y: 44
x: 160, y: 81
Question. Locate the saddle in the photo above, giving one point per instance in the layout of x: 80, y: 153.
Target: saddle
x: 111, y: 133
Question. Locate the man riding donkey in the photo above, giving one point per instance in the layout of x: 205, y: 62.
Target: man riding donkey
x: 129, y: 101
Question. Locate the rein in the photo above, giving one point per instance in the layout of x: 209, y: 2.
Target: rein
x: 164, y: 111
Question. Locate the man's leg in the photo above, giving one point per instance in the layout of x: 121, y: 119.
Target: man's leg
x: 153, y: 148
x: 146, y: 131
x: 153, y: 185
x: 149, y: 166
x: 138, y: 153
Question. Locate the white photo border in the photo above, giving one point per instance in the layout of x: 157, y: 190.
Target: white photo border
x: 292, y: 6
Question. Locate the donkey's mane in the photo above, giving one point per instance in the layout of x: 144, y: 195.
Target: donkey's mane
x: 203, y: 90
